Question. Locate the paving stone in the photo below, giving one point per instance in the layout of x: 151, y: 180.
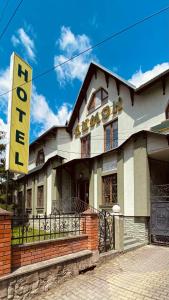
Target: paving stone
x: 139, y: 275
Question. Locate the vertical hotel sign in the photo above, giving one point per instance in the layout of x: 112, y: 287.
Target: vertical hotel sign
x: 19, y: 116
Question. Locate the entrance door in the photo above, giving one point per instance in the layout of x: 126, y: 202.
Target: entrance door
x: 160, y: 222
x: 83, y: 190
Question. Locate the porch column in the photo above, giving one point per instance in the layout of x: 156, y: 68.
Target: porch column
x: 141, y: 178
x: 91, y: 186
x: 118, y: 232
x: 120, y: 180
x: 99, y: 182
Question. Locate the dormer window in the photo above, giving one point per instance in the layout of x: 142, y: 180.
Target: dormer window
x: 167, y: 112
x: 40, y: 157
x: 98, y: 98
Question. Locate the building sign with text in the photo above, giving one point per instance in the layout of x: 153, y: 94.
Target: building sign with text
x: 98, y: 117
x: 19, y: 116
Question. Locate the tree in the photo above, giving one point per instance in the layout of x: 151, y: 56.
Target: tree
x: 5, y: 201
x: 2, y: 168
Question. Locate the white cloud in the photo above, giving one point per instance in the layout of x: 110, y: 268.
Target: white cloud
x: 23, y: 39
x: 140, y: 77
x: 4, y: 129
x: 4, y: 87
x: 43, y: 115
x: 15, y: 41
x: 70, y: 45
x: 3, y: 126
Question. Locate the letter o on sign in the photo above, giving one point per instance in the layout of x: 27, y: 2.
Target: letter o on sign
x: 21, y: 94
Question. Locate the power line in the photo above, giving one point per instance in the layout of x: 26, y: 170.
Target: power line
x: 3, y: 10
x: 10, y: 20
x: 90, y: 48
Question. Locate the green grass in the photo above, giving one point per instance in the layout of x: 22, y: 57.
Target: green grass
x: 9, y: 207
x: 33, y: 235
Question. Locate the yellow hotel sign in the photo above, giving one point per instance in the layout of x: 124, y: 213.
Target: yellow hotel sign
x: 19, y: 116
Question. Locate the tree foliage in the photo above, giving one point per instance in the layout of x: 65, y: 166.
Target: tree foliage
x: 2, y: 167
x: 3, y: 175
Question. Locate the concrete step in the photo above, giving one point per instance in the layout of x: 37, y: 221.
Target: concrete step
x: 133, y: 246
x: 126, y: 238
x: 130, y: 241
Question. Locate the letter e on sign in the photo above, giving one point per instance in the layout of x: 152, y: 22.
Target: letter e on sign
x: 19, y: 116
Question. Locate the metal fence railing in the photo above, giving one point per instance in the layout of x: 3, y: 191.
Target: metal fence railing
x: 71, y: 205
x: 26, y: 229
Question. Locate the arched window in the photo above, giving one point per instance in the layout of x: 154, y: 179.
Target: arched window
x: 167, y: 111
x: 98, y: 98
x: 40, y: 157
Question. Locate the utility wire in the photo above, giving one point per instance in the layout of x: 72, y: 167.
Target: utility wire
x: 10, y: 19
x: 3, y: 10
x: 90, y: 48
x: 103, y: 152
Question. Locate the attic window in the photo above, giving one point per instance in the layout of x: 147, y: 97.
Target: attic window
x: 98, y: 98
x: 40, y: 157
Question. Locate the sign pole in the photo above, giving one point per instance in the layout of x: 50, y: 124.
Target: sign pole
x: 7, y: 188
x: 17, y: 154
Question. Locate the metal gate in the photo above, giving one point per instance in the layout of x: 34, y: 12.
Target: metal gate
x: 159, y: 226
x: 106, y: 231
x: 106, y: 223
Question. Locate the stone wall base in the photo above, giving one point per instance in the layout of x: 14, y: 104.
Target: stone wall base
x: 137, y: 227
x: 29, y: 281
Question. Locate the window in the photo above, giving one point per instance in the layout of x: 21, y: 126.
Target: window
x: 110, y: 189
x: 167, y: 112
x: 20, y: 198
x: 40, y: 157
x: 40, y: 197
x: 85, y: 146
x: 29, y: 199
x: 111, y: 136
x: 98, y: 98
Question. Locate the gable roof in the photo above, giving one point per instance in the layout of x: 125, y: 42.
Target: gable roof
x: 92, y: 70
x: 153, y: 80
x: 51, y: 131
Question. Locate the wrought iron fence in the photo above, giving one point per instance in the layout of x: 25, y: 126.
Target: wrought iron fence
x: 26, y: 229
x: 106, y: 231
x: 73, y: 205
x: 159, y: 192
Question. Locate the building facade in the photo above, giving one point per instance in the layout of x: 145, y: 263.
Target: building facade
x: 114, y: 149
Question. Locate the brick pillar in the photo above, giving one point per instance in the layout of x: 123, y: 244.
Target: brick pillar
x: 5, y: 242
x: 91, y: 229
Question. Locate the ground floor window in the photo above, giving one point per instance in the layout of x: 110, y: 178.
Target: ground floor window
x: 29, y: 199
x: 110, y: 189
x: 40, y: 197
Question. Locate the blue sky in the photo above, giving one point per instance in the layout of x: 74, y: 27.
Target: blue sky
x: 47, y: 32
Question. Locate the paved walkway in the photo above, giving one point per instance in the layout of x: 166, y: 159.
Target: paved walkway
x: 141, y: 274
